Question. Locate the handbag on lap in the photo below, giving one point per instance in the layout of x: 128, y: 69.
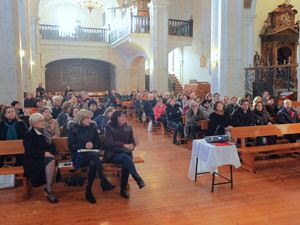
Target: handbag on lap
x: 122, y: 150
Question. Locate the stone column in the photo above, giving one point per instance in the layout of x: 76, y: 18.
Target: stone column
x: 226, y: 47
x: 298, y: 72
x: 247, y: 42
x: 35, y: 63
x: 159, y: 45
x: 11, y: 85
x: 25, y: 44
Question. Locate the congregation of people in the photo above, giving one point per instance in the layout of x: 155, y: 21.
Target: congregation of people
x: 82, y: 119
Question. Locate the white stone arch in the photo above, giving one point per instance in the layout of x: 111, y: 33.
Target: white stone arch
x: 137, y: 73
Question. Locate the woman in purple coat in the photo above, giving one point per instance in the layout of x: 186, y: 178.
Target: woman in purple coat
x: 120, y: 143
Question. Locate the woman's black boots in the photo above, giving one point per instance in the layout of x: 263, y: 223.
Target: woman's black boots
x: 124, y: 182
x: 89, y: 195
x: 138, y: 180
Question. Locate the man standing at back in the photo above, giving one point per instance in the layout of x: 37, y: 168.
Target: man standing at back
x: 288, y: 115
x: 40, y: 90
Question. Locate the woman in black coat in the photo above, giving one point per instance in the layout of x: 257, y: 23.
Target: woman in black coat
x: 219, y: 121
x: 40, y: 165
x: 84, y: 135
x: 11, y: 128
x: 120, y: 143
x: 261, y: 117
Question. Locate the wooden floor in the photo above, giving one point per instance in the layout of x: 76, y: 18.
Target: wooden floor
x: 272, y: 196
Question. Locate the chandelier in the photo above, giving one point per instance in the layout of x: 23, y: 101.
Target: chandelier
x: 91, y: 4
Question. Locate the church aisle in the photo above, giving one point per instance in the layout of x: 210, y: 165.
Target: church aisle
x: 169, y: 196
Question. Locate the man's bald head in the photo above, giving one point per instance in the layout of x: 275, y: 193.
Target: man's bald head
x: 287, y: 104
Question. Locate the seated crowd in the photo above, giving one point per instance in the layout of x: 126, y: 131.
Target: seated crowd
x: 82, y: 119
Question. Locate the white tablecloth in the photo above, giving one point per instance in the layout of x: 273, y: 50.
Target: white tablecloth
x: 210, y: 157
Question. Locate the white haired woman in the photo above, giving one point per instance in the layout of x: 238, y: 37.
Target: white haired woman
x: 84, y: 135
x: 40, y: 165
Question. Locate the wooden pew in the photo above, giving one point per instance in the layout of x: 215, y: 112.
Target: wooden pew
x: 14, y: 148
x: 294, y: 103
x: 248, y: 154
x: 126, y: 104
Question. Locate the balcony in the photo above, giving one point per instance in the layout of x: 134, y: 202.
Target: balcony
x: 141, y: 25
x: 52, y: 32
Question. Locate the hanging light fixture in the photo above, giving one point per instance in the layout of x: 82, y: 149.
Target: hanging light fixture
x: 91, y: 4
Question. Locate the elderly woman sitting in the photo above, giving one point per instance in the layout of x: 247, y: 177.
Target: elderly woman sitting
x: 51, y: 125
x: 120, y: 143
x: 40, y: 165
x: 84, y: 135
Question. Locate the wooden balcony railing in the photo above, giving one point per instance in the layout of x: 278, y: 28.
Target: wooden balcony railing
x: 53, y: 32
x: 130, y: 24
x: 181, y: 27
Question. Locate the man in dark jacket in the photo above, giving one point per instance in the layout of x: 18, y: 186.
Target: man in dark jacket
x: 193, y: 115
x: 29, y: 101
x: 174, y: 120
x: 92, y: 105
x: 40, y: 91
x: 56, y: 107
x: 242, y: 116
x: 288, y: 115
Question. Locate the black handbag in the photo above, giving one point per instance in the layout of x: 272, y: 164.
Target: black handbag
x: 122, y: 150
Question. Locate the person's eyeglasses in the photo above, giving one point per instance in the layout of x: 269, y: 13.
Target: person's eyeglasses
x: 41, y: 121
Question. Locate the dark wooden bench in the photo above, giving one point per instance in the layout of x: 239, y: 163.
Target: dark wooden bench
x: 248, y: 154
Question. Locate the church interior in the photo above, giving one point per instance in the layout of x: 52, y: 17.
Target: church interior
x: 124, y: 56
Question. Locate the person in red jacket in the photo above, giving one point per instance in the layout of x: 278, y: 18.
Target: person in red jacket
x: 160, y: 113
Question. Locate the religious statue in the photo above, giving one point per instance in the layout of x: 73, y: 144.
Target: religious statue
x: 267, y: 25
x: 256, y: 59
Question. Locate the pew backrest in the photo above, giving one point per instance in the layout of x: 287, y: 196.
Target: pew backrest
x: 11, y: 147
x: 266, y: 130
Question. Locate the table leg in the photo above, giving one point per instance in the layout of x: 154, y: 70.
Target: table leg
x: 231, y: 180
x: 213, y: 182
x: 196, y: 169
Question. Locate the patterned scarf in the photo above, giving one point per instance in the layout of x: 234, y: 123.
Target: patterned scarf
x: 46, y: 135
x: 11, y: 131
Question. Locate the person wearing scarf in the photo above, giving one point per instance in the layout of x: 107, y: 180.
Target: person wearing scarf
x: 11, y: 128
x: 40, y: 165
x: 219, y: 121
